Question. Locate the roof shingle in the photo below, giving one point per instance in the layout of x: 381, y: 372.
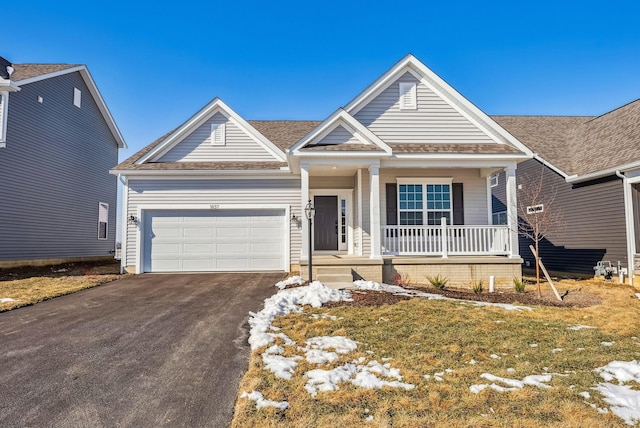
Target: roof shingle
x: 27, y: 71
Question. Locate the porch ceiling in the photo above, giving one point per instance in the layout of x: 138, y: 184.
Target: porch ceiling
x: 333, y: 170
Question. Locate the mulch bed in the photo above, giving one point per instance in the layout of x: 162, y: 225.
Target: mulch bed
x: 65, y: 269
x: 574, y: 298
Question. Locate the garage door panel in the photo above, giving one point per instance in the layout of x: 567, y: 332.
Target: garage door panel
x: 232, y: 232
x: 197, y: 241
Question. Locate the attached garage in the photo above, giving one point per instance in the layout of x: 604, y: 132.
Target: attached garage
x: 214, y: 240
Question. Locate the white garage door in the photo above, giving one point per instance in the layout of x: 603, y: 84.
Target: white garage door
x: 224, y: 241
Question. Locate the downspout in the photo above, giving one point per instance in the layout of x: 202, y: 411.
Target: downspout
x: 628, y: 218
x: 124, y: 224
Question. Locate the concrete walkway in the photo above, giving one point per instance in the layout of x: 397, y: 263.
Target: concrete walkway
x: 146, y: 351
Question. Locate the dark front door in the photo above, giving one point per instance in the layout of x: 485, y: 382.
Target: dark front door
x: 325, y: 232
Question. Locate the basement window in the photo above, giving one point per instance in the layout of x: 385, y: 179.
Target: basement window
x: 103, y: 220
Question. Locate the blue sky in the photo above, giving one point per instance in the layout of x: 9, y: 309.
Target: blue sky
x: 157, y: 63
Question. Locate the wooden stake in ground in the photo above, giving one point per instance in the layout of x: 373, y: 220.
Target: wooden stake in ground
x: 546, y: 274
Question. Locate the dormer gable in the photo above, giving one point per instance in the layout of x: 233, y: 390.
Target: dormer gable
x: 340, y: 132
x: 215, y: 134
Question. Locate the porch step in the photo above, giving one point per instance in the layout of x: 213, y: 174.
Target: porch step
x: 335, y: 276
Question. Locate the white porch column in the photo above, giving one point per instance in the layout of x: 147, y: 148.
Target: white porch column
x: 512, y: 210
x: 630, y: 229
x: 304, y: 191
x: 374, y: 210
x: 360, y: 222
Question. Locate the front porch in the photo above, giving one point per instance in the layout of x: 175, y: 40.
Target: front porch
x: 461, y: 271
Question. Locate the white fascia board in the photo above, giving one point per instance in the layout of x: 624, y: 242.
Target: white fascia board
x: 8, y: 85
x: 95, y: 93
x: 449, y: 163
x: 344, y: 154
x: 602, y: 173
x: 215, y: 106
x: 427, y: 77
x: 340, y: 118
x: 550, y: 166
x: 173, y: 174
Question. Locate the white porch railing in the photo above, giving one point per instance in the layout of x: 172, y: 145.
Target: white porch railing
x: 445, y: 240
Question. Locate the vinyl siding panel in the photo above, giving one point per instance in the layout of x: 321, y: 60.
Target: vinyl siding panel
x: 499, y: 194
x: 474, y: 189
x: 197, y: 147
x: 54, y: 173
x: 434, y: 120
x: 215, y: 191
x: 366, y: 218
x: 593, y: 217
x: 339, y: 136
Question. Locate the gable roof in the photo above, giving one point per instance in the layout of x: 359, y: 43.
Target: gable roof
x: 368, y: 141
x: 443, y: 90
x: 25, y: 74
x: 28, y: 71
x: 215, y: 106
x: 581, y: 145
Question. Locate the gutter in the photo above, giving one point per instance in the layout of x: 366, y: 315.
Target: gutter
x: 604, y: 173
x: 628, y: 219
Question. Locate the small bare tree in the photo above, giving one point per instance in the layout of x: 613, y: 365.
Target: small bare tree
x: 538, y: 214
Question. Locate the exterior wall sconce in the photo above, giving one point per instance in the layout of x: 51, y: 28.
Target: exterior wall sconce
x: 310, y: 213
x: 132, y: 219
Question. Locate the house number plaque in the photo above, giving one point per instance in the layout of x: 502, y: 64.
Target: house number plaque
x: 214, y: 206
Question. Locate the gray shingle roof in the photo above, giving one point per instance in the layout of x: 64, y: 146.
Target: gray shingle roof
x: 27, y: 71
x: 580, y: 145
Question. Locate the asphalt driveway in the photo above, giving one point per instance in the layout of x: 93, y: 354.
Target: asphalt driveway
x: 146, y: 351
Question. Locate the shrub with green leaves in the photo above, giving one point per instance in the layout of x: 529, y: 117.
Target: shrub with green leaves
x: 439, y: 282
x: 477, y: 287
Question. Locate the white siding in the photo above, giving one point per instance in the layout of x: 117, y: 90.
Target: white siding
x: 217, y: 191
x: 474, y: 189
x: 434, y: 121
x: 197, y: 147
x: 339, y: 136
x: 366, y: 217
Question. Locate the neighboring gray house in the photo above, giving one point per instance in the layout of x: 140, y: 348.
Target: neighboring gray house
x: 594, y: 164
x: 58, y: 142
x: 399, y: 179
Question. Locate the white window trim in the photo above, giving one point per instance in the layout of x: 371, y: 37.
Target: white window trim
x: 493, y: 180
x: 77, y: 97
x: 497, y: 215
x: 106, y: 229
x: 424, y: 181
x: 4, y: 105
x: 408, y: 95
x: 218, y: 134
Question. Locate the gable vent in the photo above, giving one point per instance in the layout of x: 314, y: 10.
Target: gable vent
x: 218, y: 134
x: 408, y: 95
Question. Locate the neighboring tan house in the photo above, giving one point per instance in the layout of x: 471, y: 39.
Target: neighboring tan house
x: 220, y: 193
x: 58, y: 143
x: 592, y: 164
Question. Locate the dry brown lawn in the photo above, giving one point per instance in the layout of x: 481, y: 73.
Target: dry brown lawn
x: 26, y: 286
x: 424, y: 337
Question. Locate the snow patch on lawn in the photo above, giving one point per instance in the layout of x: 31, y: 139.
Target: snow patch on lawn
x: 623, y: 399
x: 511, y: 384
x: 262, y: 402
x: 293, y: 280
x: 579, y: 327
x: 7, y: 300
x: 289, y: 301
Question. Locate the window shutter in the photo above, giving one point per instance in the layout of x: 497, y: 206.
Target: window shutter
x: 392, y: 204
x: 218, y: 134
x: 458, y: 203
x: 408, y: 95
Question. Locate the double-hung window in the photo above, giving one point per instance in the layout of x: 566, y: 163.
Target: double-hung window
x: 424, y: 201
